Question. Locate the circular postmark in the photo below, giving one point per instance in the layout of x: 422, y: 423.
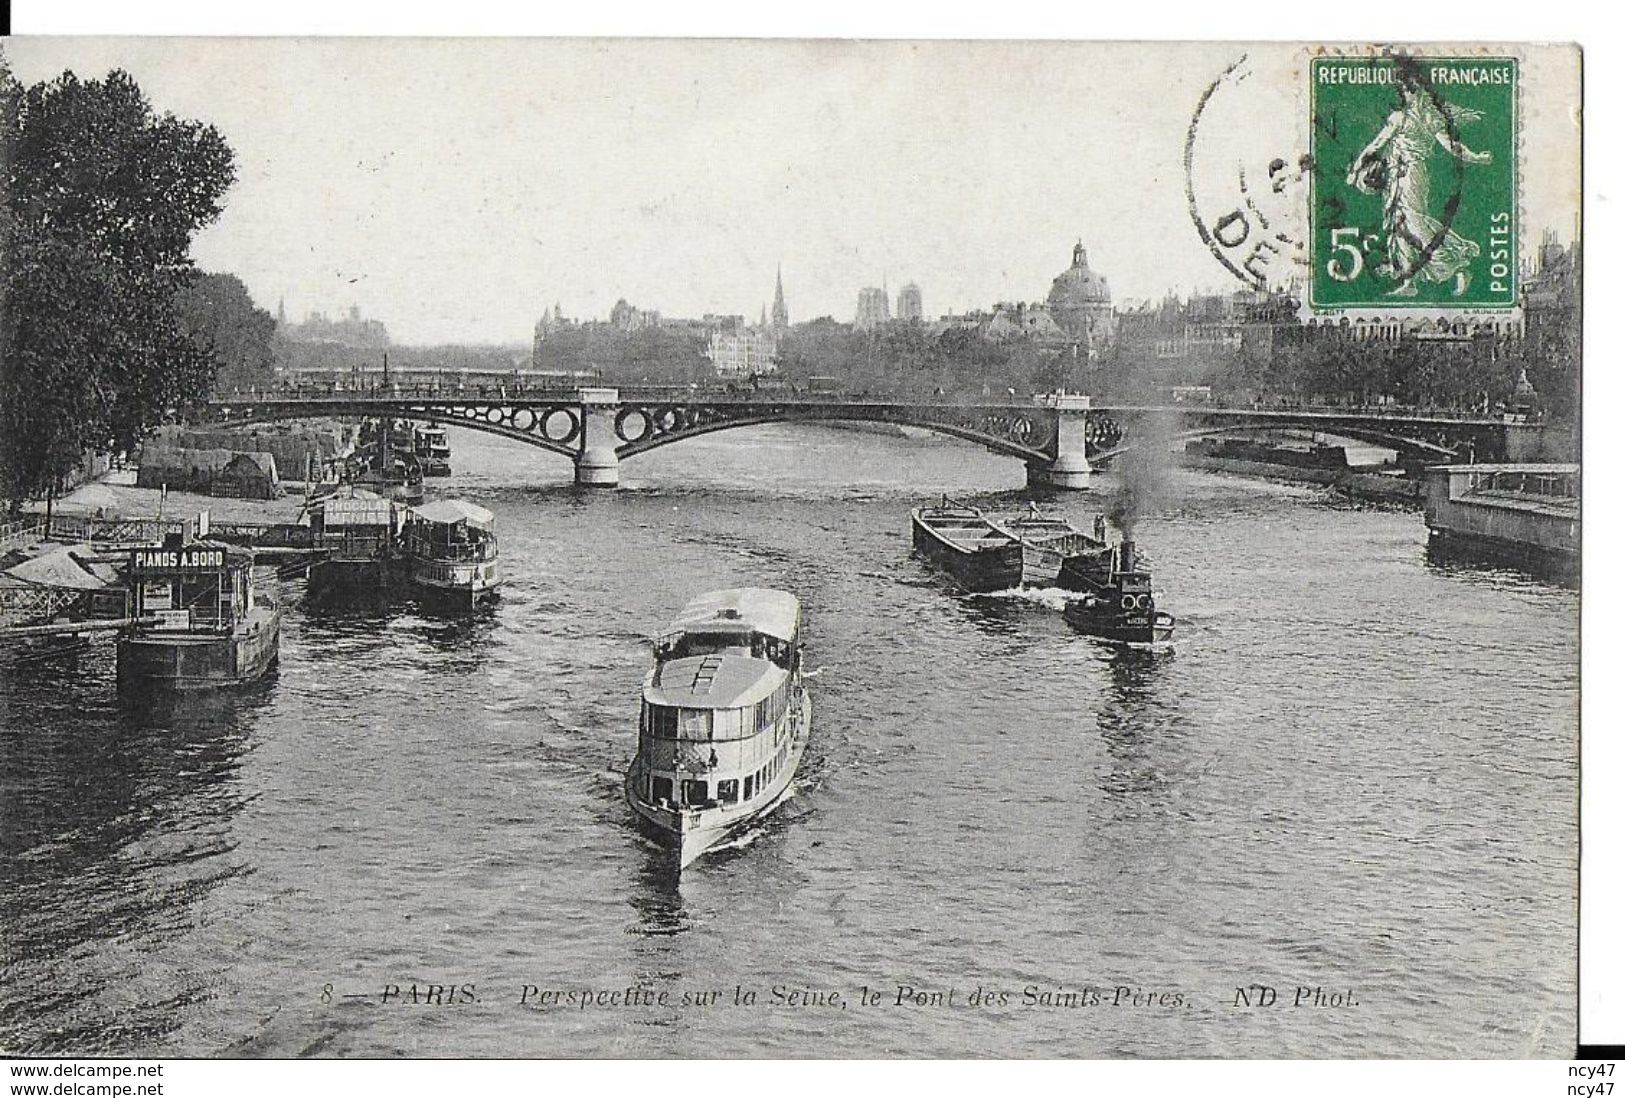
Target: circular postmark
x: 1247, y: 172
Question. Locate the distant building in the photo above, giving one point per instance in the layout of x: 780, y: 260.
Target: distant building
x: 908, y: 304
x: 1080, y: 301
x: 742, y: 353
x: 873, y: 309
x: 348, y: 331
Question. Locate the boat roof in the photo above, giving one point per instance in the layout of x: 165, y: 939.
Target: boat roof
x: 714, y: 681
x: 449, y: 512
x: 740, y: 609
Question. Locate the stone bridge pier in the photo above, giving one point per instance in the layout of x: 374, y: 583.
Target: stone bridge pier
x: 1069, y: 469
x: 598, y: 465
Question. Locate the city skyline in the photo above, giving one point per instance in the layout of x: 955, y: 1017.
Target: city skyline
x: 453, y: 189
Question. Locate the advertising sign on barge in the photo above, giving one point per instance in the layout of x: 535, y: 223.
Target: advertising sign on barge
x: 199, y: 623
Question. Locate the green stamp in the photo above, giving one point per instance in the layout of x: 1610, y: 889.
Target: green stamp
x: 1414, y: 200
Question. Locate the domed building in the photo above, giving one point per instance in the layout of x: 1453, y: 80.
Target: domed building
x: 1081, y: 303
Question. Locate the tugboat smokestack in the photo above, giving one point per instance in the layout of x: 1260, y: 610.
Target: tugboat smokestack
x: 1128, y: 556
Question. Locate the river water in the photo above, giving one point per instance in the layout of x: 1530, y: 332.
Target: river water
x: 1354, y: 771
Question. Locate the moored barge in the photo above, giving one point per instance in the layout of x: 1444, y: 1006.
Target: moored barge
x: 725, y: 720
x: 199, y: 623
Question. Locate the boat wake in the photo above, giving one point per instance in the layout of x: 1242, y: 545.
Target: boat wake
x: 1050, y: 598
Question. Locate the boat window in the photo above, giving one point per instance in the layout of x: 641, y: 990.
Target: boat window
x: 725, y: 723
x: 695, y: 793
x: 728, y: 790
x: 661, y: 790
x: 750, y: 785
x: 694, y: 724
x: 663, y: 721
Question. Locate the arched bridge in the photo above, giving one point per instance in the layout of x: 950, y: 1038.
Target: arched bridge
x: 601, y: 428
x: 1056, y: 437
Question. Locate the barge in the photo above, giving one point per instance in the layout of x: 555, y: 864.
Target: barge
x: 986, y: 552
x: 197, y: 621
x: 1527, y: 515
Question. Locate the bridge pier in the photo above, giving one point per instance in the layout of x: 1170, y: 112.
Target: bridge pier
x: 598, y: 466
x: 1069, y: 470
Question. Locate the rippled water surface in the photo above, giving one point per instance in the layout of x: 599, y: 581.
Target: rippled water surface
x: 1355, y: 770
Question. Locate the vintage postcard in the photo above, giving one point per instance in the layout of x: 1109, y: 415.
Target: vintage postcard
x: 789, y: 549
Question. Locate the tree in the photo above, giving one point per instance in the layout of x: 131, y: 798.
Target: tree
x: 218, y: 315
x: 103, y: 199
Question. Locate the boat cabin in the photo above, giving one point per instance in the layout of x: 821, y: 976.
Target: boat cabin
x: 450, y: 530
x: 195, y: 587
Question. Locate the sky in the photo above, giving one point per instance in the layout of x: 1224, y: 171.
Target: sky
x: 455, y: 188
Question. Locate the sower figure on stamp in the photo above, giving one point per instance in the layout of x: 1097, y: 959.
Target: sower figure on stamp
x: 1395, y: 162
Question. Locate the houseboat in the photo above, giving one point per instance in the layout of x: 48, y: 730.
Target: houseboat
x: 433, y: 451
x: 353, y: 536
x: 724, y: 722
x: 448, y: 552
x: 1118, y: 603
x: 198, y: 621
x: 987, y: 552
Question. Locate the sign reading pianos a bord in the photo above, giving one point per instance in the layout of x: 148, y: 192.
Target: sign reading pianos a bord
x: 190, y: 558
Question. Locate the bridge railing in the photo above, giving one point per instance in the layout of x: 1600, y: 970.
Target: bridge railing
x: 797, y: 393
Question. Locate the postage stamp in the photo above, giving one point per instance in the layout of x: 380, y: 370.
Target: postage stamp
x: 1414, y: 200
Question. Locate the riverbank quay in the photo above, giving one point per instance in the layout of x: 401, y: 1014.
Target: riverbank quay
x: 1356, y: 483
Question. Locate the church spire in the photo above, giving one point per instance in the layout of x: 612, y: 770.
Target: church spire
x: 781, y: 315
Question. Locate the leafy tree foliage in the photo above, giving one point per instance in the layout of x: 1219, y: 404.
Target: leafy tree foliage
x: 103, y: 198
x: 218, y: 315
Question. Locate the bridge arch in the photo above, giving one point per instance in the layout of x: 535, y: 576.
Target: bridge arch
x: 693, y: 423
x: 556, y: 427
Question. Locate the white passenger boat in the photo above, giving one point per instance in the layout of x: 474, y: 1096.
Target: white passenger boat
x: 725, y: 719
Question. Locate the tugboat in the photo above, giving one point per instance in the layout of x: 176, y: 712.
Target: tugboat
x: 996, y: 552
x: 198, y: 621
x: 1118, y: 603
x: 433, y: 451
x: 449, y: 552
x: 725, y: 719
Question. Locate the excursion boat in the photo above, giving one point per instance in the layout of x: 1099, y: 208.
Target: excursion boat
x: 433, y: 451
x: 353, y: 536
x: 1118, y: 602
x: 725, y: 719
x: 448, y: 552
x: 996, y: 552
x: 198, y: 622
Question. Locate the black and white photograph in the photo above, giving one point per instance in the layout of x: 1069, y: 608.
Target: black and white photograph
x: 785, y: 548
